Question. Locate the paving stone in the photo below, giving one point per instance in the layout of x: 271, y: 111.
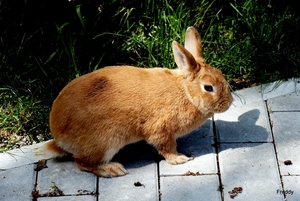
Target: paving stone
x: 123, y: 188
x: 247, y: 96
x: 17, y: 183
x: 291, y: 187
x: 69, y: 198
x: 251, y: 166
x: 286, y: 129
x: 265, y: 91
x: 23, y: 156
x: 248, y: 123
x: 178, y: 188
x: 67, y: 177
x: 289, y: 102
x: 199, y: 144
x: 279, y: 88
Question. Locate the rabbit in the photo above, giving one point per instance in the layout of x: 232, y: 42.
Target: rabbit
x: 97, y: 114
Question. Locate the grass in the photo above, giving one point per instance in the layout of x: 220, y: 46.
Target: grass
x: 41, y: 50
x: 146, y: 40
x: 22, y: 120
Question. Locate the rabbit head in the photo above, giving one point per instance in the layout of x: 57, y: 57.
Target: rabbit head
x: 205, y: 86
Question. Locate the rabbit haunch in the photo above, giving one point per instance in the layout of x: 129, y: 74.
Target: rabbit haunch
x: 99, y: 113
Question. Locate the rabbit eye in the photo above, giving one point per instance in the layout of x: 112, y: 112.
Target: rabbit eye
x: 209, y: 88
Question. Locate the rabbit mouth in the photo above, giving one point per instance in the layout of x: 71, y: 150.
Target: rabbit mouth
x: 223, y: 106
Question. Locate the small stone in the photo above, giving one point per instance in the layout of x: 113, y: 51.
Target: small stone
x: 288, y: 162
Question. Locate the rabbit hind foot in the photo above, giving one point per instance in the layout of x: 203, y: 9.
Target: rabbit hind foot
x: 111, y: 169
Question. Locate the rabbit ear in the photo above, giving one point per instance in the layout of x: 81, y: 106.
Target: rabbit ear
x: 193, y: 42
x: 184, y: 59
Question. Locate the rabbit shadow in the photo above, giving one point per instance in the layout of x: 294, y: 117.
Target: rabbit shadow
x: 205, y: 139
x: 189, y: 145
x: 245, y: 129
x: 140, y: 154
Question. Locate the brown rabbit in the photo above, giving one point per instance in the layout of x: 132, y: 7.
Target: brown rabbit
x: 99, y: 113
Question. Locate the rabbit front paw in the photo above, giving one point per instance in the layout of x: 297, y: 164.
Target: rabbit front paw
x: 175, y: 159
x: 112, y: 169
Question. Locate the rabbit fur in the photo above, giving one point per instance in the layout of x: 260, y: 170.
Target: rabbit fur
x: 97, y: 114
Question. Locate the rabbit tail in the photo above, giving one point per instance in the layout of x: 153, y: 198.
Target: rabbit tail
x: 55, y: 150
